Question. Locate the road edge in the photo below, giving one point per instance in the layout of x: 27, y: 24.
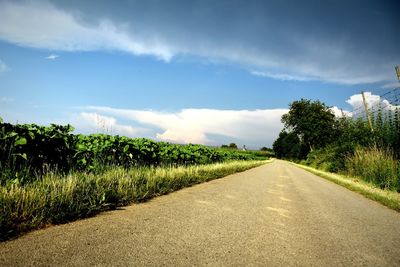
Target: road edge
x: 387, y: 198
x: 13, y: 226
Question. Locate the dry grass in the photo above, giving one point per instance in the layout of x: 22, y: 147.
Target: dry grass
x: 58, y: 199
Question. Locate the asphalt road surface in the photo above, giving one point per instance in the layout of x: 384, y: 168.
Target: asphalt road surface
x: 273, y: 215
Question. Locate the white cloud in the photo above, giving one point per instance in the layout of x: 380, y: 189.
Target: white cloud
x: 52, y: 56
x: 356, y: 101
x: 91, y: 122
x: 3, y: 66
x: 44, y: 26
x: 391, y: 85
x: 281, y: 76
x: 374, y: 103
x: 197, y: 125
x: 340, y: 112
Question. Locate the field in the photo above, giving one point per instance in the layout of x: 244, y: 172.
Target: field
x: 29, y: 150
x: 51, y: 176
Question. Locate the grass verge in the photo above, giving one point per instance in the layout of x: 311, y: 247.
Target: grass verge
x: 388, y: 198
x: 58, y: 199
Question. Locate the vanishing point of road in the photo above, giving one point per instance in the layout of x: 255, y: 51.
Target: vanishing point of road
x: 273, y: 215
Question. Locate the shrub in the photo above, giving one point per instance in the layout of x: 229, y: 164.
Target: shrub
x: 331, y: 158
x: 375, y: 165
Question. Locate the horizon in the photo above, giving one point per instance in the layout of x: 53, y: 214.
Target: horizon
x: 203, y: 72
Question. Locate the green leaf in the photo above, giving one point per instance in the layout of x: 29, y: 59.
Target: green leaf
x: 22, y: 155
x: 32, y: 135
x: 12, y: 134
x: 80, y: 147
x: 20, y: 141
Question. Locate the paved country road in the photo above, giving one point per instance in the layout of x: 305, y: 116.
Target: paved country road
x: 276, y: 214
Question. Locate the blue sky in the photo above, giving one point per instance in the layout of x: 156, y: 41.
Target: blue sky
x: 210, y: 72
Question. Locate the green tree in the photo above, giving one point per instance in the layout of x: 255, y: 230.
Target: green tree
x: 233, y: 145
x: 289, y: 146
x: 313, y: 122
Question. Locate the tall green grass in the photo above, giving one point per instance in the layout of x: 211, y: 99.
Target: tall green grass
x: 375, y: 165
x: 56, y: 198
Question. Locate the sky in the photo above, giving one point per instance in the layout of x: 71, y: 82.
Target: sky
x: 209, y: 72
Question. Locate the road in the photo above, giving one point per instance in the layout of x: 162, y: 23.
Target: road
x: 273, y: 215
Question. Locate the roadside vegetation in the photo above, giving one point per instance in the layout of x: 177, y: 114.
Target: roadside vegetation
x: 51, y: 176
x: 313, y: 136
x: 28, y: 150
x: 56, y: 198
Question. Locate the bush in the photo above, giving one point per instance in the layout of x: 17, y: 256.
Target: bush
x: 233, y: 145
x: 375, y: 165
x: 331, y: 158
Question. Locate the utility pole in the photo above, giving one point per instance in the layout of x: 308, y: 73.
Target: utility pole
x: 397, y: 72
x: 367, y: 112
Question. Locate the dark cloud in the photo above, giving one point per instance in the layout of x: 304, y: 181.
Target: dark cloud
x: 336, y: 41
x: 366, y: 23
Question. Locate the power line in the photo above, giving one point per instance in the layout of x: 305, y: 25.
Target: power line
x: 391, y: 91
